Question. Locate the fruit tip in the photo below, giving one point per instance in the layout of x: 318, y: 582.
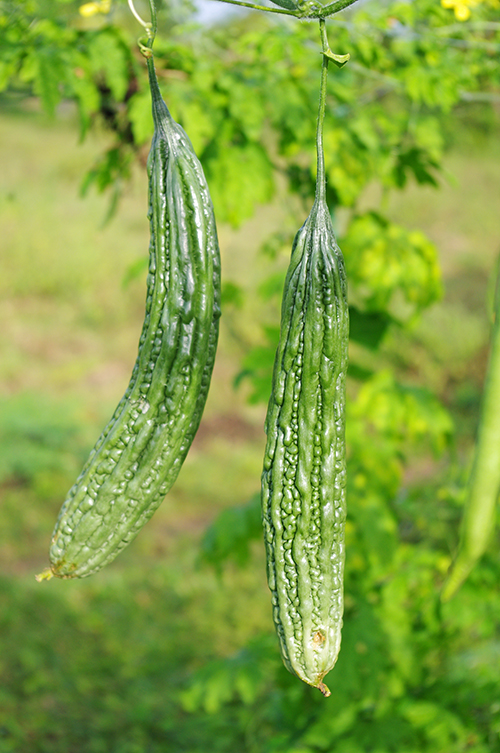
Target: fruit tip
x: 46, y: 574
x: 324, y: 689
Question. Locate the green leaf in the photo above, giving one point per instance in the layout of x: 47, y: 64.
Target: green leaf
x: 338, y: 60
x: 110, y: 169
x: 240, y: 177
x: 384, y: 259
x: 109, y: 172
x: 141, y: 117
x: 243, y: 676
x: 229, y: 536
x: 247, y: 111
x: 107, y: 58
x: 257, y: 367
x: 7, y: 70
x: 46, y: 68
x: 404, y: 412
x: 232, y: 295
x: 272, y: 286
x: 439, y: 727
x: 418, y: 162
x: 198, y: 122
x: 84, y: 90
x: 368, y: 327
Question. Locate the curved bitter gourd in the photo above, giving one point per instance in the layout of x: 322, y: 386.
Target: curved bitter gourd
x: 304, y: 475
x: 140, y: 452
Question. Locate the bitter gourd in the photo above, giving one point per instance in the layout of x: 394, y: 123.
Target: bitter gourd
x: 304, y: 475
x: 140, y: 452
x: 478, y: 520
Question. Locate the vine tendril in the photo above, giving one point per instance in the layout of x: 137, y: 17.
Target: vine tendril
x: 146, y: 45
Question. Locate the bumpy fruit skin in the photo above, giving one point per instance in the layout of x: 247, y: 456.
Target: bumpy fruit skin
x: 140, y: 452
x: 304, y: 476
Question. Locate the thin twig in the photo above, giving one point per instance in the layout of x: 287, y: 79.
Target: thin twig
x: 242, y: 4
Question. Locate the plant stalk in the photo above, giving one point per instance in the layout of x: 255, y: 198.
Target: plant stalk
x: 320, y: 155
x: 306, y: 13
x: 283, y: 11
x: 150, y: 27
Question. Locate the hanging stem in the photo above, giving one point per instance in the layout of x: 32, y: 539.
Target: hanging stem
x: 150, y: 28
x: 154, y: 21
x: 320, y: 156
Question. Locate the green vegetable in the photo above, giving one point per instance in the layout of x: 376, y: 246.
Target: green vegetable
x: 140, y: 452
x: 484, y: 486
x: 304, y: 476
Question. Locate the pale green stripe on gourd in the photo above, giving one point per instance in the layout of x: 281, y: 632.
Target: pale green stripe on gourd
x: 140, y: 452
x: 304, y: 477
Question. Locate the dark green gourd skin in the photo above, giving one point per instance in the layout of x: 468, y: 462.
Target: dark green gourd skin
x: 140, y: 452
x: 304, y: 476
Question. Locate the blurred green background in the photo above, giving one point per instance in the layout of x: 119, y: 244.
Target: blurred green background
x: 172, y: 647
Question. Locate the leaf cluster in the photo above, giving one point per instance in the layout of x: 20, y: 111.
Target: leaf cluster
x: 247, y: 94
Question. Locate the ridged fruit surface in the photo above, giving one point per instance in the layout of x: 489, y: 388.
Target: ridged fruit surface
x: 140, y: 452
x: 304, y: 476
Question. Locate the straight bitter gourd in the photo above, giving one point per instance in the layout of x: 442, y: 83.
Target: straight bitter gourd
x: 304, y: 476
x: 140, y: 452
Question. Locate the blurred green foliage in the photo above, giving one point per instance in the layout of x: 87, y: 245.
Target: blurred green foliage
x: 34, y: 437
x: 167, y: 653
x: 409, y: 66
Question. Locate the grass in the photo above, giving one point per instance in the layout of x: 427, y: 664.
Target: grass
x: 98, y: 665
